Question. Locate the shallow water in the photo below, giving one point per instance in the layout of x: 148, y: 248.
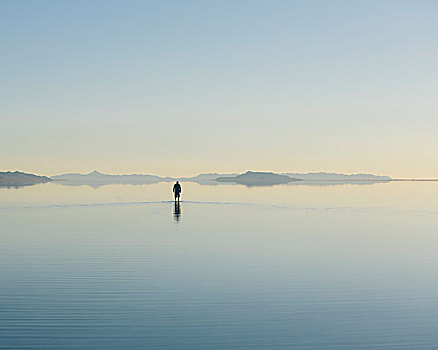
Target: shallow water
x: 283, y: 267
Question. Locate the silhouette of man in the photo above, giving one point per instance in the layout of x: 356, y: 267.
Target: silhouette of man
x: 177, y: 191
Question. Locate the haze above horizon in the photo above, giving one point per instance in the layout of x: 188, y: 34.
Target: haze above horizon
x: 181, y: 88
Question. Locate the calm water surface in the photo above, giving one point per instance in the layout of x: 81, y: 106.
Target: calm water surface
x: 284, y: 267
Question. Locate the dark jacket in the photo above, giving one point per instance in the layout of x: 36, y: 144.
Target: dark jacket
x: 177, y: 188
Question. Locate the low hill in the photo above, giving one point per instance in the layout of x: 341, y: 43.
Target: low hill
x: 17, y: 178
x: 205, y: 179
x: 251, y: 178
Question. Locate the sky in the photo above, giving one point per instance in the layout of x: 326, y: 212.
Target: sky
x: 183, y: 87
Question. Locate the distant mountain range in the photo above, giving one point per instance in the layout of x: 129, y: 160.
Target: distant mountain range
x: 249, y: 178
x: 97, y: 178
x: 321, y: 176
x: 17, y: 178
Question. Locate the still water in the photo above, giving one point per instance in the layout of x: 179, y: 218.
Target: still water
x: 283, y: 267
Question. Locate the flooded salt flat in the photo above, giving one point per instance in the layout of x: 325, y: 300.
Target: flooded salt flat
x: 282, y: 267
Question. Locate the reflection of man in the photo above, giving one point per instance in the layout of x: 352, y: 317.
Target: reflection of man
x: 177, y: 190
x: 177, y: 212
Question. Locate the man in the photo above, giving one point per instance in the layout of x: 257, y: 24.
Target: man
x: 177, y: 190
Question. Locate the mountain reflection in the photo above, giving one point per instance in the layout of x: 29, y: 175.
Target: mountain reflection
x: 96, y: 185
x: 17, y: 186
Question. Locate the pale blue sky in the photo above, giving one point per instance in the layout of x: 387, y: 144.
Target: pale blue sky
x: 181, y: 87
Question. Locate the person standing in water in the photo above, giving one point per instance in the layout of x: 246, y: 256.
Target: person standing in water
x: 177, y: 191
